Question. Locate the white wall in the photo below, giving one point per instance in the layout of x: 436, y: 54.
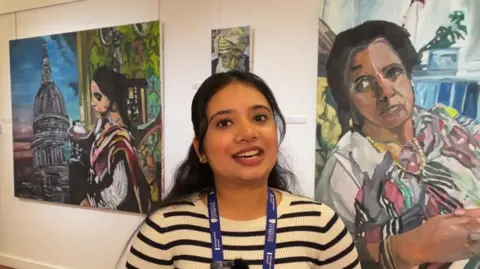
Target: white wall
x: 42, y: 235
x: 9, y: 6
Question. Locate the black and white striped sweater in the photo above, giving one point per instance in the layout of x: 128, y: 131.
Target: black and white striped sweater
x: 310, y: 235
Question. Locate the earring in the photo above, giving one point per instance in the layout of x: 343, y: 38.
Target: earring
x: 203, y: 159
x: 114, y: 107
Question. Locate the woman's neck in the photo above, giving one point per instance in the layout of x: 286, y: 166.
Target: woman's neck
x: 241, y: 202
x: 393, y: 139
x: 114, y: 118
x: 401, y: 135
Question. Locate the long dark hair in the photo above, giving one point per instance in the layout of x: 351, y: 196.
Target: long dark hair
x: 114, y: 86
x: 192, y: 176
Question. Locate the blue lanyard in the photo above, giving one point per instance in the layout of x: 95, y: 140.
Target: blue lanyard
x: 270, y: 235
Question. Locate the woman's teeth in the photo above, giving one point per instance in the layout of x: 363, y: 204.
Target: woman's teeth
x: 248, y: 154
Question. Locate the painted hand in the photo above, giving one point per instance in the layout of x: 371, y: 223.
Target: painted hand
x: 448, y: 238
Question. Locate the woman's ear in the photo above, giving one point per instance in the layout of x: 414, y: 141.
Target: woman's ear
x: 115, y: 107
x: 201, y: 157
x: 196, y: 145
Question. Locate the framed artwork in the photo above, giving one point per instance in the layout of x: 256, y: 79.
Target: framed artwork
x: 87, y: 117
x: 232, y: 49
x: 398, y: 113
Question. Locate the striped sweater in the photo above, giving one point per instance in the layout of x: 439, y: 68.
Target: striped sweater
x: 309, y: 235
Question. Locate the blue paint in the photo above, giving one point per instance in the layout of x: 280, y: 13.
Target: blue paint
x: 470, y: 107
x: 459, y: 95
x: 444, y: 94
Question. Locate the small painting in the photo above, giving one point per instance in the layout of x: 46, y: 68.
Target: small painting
x: 231, y: 49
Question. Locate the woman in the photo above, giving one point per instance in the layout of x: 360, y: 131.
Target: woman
x: 114, y: 180
x: 229, y: 186
x: 400, y: 176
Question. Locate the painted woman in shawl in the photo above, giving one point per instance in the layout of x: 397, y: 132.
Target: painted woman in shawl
x: 404, y: 179
x: 115, y: 180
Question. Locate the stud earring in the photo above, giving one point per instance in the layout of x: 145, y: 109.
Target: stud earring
x: 203, y: 159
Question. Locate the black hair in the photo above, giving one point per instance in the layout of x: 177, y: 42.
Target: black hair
x: 192, y: 176
x: 113, y: 85
x: 345, y: 47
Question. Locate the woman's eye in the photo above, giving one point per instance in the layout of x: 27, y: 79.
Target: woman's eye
x: 224, y: 123
x: 260, y: 118
x: 97, y: 96
x: 393, y: 73
x: 362, y: 85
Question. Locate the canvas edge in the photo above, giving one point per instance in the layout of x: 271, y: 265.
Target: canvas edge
x: 163, y: 182
x: 25, y: 263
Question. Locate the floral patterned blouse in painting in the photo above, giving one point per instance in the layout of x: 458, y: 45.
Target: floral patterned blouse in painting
x: 436, y: 173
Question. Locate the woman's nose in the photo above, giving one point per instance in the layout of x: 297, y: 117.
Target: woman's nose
x: 385, y: 87
x: 246, y: 132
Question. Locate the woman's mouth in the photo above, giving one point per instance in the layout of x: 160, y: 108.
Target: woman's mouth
x: 391, y: 110
x: 248, y: 154
x: 250, y: 158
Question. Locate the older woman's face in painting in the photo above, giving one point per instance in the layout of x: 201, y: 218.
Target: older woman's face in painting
x: 379, y: 87
x: 100, y: 102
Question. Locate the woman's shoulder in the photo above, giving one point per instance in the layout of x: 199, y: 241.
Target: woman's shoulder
x: 177, y: 212
x: 117, y: 137
x: 310, y: 210
x: 295, y: 200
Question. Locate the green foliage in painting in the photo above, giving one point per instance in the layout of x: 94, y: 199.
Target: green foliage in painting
x: 447, y: 36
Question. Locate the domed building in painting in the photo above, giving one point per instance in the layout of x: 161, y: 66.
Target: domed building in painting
x: 50, y: 126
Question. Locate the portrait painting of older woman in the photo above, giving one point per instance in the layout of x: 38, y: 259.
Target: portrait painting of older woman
x: 405, y: 179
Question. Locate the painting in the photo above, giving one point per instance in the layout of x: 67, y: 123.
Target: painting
x: 398, y: 121
x: 87, y: 117
x: 231, y: 49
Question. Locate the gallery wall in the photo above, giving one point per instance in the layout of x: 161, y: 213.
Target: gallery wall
x: 9, y: 6
x: 43, y: 235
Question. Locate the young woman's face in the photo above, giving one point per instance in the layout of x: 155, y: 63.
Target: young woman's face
x: 241, y: 142
x: 100, y: 102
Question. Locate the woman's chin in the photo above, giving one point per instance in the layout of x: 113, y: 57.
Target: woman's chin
x: 253, y: 177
